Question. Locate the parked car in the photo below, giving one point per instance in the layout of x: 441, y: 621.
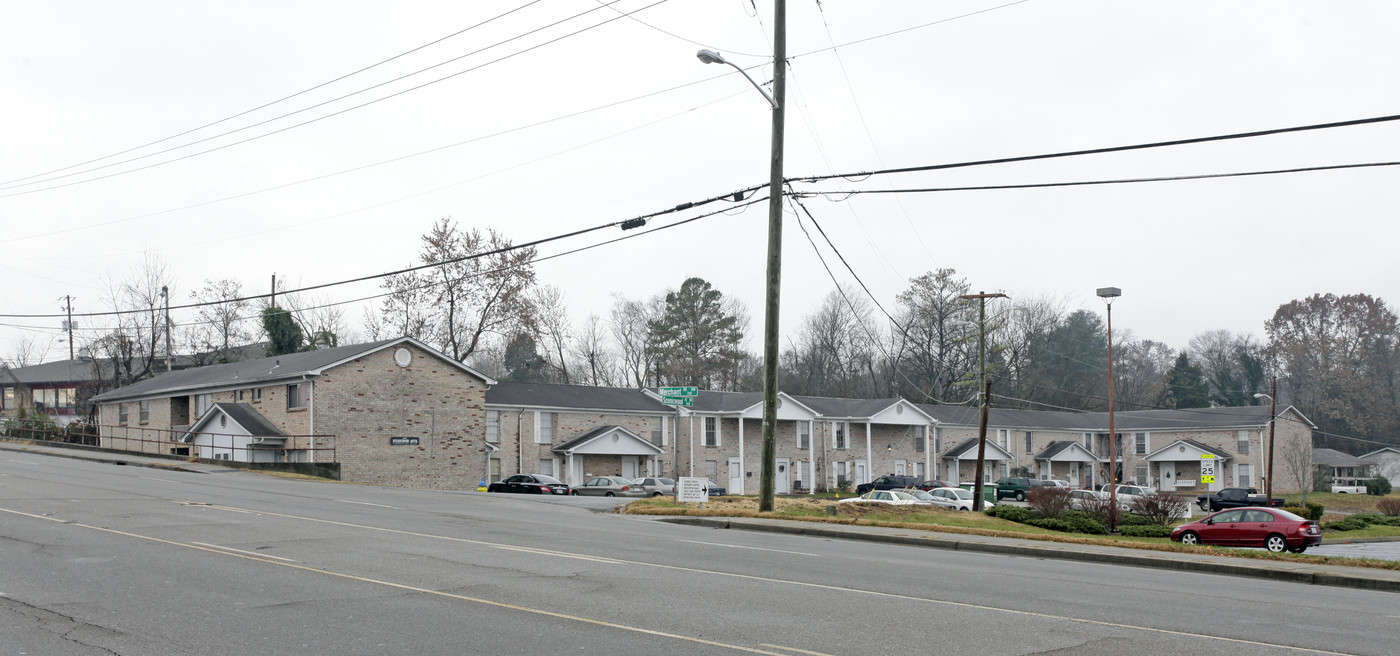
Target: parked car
x: 934, y: 484
x: 655, y: 487
x: 714, y: 489
x: 530, y: 484
x: 1235, y: 497
x: 1348, y: 486
x: 955, y: 498
x: 609, y: 486
x: 1017, y: 487
x: 920, y: 497
x: 888, y: 483
x: 1271, y: 528
x: 1062, y: 483
x: 888, y: 497
x: 1128, y: 493
x: 1088, y: 499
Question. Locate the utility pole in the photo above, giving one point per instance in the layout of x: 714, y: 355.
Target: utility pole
x: 165, y: 294
x: 1273, y: 417
x: 273, y: 301
x: 775, y: 261
x: 983, y: 387
x: 69, y: 324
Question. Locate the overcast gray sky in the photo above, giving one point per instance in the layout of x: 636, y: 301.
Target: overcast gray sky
x: 542, y: 132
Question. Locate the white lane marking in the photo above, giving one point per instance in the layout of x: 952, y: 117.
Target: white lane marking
x: 251, y: 553
x: 793, y: 649
x: 23, y: 462
x: 165, y: 480
x: 740, y: 546
x: 678, y: 568
x: 366, y: 503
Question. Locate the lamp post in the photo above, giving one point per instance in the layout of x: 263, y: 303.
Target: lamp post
x: 1269, y: 476
x: 775, y: 249
x: 1108, y: 294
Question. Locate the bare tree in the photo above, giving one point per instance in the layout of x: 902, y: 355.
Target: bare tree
x: 833, y: 353
x: 221, y: 325
x: 32, y: 349
x: 1297, y: 459
x: 591, y: 349
x: 629, y: 321
x: 552, y: 329
x: 138, y: 341
x: 940, y: 353
x: 321, y: 320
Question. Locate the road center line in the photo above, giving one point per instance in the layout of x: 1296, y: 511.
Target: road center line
x: 251, y: 553
x: 749, y: 577
x: 794, y: 650
x: 366, y: 503
x: 163, y: 480
x: 411, y: 588
x: 740, y: 546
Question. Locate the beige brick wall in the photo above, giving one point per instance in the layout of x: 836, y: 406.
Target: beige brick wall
x: 520, y: 453
x: 366, y: 401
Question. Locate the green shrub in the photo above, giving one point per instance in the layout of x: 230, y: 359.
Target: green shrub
x: 1147, y: 531
x: 1129, y: 519
x: 1378, y: 486
x: 1011, y: 513
x: 1348, y: 524
x: 1050, y: 523
x: 1085, y: 525
x: 1311, y: 511
x: 1374, y: 518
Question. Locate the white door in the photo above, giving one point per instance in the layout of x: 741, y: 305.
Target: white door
x: 952, y: 472
x: 782, y: 476
x: 901, y: 468
x: 1164, y: 476
x: 861, y: 470
x: 736, y: 477
x: 1074, y: 474
x: 631, y: 468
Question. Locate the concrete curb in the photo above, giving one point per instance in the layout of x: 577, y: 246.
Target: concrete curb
x: 1302, y: 573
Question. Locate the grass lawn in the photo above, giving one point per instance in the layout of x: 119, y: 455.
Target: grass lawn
x: 1344, y: 502
x: 969, y: 523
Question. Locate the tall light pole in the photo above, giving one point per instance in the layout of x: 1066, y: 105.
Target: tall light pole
x: 775, y: 249
x: 1108, y: 294
x: 983, y: 390
x: 1269, y: 477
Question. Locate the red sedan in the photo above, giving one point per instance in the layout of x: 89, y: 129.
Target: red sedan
x: 1271, y: 528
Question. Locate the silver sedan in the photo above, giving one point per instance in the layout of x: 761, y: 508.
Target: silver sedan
x: 610, y: 486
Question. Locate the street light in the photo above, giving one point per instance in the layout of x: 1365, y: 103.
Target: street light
x: 775, y: 249
x: 1269, y: 476
x: 1108, y: 294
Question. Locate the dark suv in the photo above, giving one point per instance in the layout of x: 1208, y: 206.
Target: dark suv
x: 1017, y: 488
x: 888, y: 483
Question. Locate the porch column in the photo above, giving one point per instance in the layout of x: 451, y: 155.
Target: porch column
x: 869, y: 462
x: 811, y: 457
x: 742, y: 479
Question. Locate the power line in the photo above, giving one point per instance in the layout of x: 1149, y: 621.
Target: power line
x: 6, y: 183
x: 1082, y: 183
x: 314, y: 120
x: 1110, y: 149
x: 643, y: 217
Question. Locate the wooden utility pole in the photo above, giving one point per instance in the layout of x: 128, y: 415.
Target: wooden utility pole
x: 68, y: 301
x: 775, y: 264
x: 984, y: 388
x: 165, y: 294
x: 1273, y: 417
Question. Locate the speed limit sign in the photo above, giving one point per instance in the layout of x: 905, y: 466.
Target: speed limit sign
x: 1207, y: 468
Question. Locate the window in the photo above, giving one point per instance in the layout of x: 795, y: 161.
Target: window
x: 296, y: 396
x: 804, y: 434
x: 658, y: 430
x: 1243, y: 448
x: 1245, y: 478
x: 711, y: 467
x: 1140, y: 443
x: 493, y: 470
x: 711, y: 431
x: 53, y: 399
x: 257, y: 394
x: 840, y: 473
x: 841, y: 435
x: 919, y: 470
x: 7, y: 399
x: 1141, y: 478
x: 544, y: 428
x: 493, y: 431
x: 145, y: 414
x: 202, y: 403
x: 121, y: 413
x: 920, y: 433
x: 1028, y: 442
x: 1004, y: 438
x: 547, y: 466
x: 238, y: 396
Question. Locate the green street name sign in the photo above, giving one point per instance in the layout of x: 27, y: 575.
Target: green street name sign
x: 680, y: 391
x: 685, y: 401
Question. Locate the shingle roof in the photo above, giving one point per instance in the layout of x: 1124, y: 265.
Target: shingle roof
x: 1335, y: 458
x: 547, y: 395
x: 1053, y: 449
x: 835, y: 407
x: 62, y: 371
x: 710, y: 401
x: 250, y: 419
x: 1129, y: 420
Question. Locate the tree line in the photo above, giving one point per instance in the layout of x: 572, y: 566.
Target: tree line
x: 1334, y: 357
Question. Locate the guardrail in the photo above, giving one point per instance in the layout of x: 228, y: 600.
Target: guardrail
x: 217, y: 446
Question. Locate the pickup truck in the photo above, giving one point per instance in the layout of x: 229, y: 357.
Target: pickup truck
x: 1235, y: 497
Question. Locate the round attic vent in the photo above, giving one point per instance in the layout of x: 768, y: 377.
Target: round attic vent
x: 403, y: 357
x: 899, y: 409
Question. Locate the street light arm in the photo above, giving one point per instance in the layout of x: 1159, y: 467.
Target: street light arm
x: 712, y: 57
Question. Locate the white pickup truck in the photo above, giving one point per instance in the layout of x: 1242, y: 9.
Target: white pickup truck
x: 1349, y: 486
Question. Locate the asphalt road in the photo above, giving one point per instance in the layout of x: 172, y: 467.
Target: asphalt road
x: 102, y: 559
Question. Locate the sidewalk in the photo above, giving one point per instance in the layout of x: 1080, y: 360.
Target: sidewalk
x: 1386, y: 580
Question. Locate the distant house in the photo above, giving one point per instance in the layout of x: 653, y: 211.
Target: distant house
x: 60, y: 390
x: 1385, y: 462
x: 1340, y: 471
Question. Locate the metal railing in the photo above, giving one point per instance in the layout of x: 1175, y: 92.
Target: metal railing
x: 220, y: 446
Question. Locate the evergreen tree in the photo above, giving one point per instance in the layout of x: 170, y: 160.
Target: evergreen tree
x: 522, y: 362
x: 1186, y: 385
x: 283, y: 333
x: 696, y: 339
